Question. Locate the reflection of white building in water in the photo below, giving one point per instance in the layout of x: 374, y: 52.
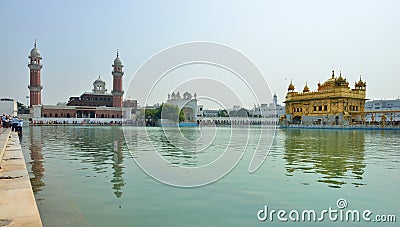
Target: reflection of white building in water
x: 388, y: 109
x: 187, y: 103
x: 272, y: 110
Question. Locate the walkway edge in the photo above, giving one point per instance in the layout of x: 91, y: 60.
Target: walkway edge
x: 3, y: 142
x: 17, y: 202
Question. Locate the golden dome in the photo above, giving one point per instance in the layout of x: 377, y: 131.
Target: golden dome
x: 340, y: 81
x: 360, y: 83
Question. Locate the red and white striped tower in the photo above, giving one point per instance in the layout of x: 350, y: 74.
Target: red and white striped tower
x: 35, y: 87
x: 117, y: 73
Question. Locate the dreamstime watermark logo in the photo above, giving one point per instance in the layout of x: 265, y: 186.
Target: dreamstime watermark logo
x: 335, y: 214
x: 162, y: 74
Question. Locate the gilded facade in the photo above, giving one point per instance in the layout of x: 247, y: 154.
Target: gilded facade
x: 334, y: 103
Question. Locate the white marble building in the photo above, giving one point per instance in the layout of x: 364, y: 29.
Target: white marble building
x: 187, y: 103
x: 389, y: 110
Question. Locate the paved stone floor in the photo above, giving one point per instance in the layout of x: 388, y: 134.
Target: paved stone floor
x: 17, y: 202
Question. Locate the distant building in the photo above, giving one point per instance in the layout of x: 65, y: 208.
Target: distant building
x: 234, y: 108
x: 210, y: 113
x: 333, y: 103
x: 391, y: 104
x: 200, y: 110
x: 382, y: 110
x: 242, y: 112
x: 271, y: 110
x: 54, y: 111
x: 130, y: 104
x: 97, y: 105
x: 98, y: 96
x: 8, y: 107
x: 188, y: 104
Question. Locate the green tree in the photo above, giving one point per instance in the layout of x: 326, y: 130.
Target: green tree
x: 150, y: 113
x: 243, y: 113
x: 233, y: 113
x: 165, y: 111
x: 181, y: 116
x: 22, y: 108
x: 223, y: 113
x: 171, y: 112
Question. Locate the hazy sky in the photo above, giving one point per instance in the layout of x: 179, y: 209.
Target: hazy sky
x: 299, y: 40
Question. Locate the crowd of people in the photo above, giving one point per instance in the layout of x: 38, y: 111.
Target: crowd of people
x: 7, y: 121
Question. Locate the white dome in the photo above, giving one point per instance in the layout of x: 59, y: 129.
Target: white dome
x: 99, y: 80
x: 35, y: 53
x: 117, y: 61
x: 99, y: 86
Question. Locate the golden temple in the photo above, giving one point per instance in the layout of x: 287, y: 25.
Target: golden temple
x: 334, y: 103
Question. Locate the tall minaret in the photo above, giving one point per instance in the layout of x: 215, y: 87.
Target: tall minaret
x: 117, y: 73
x: 35, y: 87
x: 275, y: 100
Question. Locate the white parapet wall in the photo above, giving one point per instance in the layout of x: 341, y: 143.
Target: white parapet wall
x: 239, y: 120
x: 50, y: 120
x: 8, y: 107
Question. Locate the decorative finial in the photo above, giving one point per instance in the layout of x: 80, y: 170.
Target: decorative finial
x: 291, y: 86
x: 117, y: 53
x: 306, y: 89
x: 34, y: 44
x: 333, y: 73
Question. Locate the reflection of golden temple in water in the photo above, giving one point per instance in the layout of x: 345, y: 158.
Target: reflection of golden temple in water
x: 36, y: 156
x: 336, y: 156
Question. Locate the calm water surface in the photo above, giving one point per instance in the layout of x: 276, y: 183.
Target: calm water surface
x: 86, y: 176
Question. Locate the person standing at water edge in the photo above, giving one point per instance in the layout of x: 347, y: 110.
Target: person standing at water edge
x: 3, y: 121
x: 14, y: 123
x: 19, y: 126
x: 19, y: 129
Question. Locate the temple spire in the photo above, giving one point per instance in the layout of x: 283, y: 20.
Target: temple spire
x: 306, y: 88
x: 291, y: 86
x: 34, y: 45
